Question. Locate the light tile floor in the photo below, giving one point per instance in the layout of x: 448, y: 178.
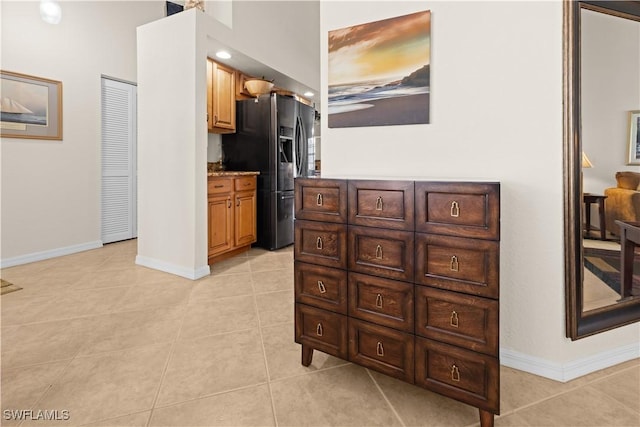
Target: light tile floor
x: 115, y: 344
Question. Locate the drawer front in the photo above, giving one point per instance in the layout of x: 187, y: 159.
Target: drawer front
x: 321, y: 200
x: 384, y: 204
x: 245, y: 183
x: 322, y: 330
x: 219, y: 185
x: 382, y: 349
x: 463, y: 320
x: 321, y: 243
x: 459, y: 209
x: 464, y: 265
x: 321, y: 287
x: 464, y: 375
x: 382, y: 301
x: 379, y: 252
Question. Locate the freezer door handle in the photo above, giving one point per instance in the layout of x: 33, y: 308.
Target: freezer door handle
x: 287, y: 196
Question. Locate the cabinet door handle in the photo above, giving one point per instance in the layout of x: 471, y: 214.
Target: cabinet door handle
x: 455, y: 373
x: 379, y: 203
x: 215, y: 119
x: 453, y: 321
x: 319, y: 199
x: 218, y: 186
x: 229, y: 203
x: 321, y: 287
x: 455, y: 265
x: 319, y: 331
x: 378, y: 252
x: 455, y: 209
x: 237, y: 201
x: 380, y: 349
x: 379, y: 301
x: 319, y: 243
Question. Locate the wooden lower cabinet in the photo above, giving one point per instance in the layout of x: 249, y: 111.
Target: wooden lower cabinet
x: 402, y: 277
x: 232, y: 216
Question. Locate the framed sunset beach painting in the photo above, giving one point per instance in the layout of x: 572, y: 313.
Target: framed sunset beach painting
x: 379, y: 72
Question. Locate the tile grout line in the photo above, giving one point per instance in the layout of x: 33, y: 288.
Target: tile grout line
x: 384, y: 396
x: 174, y: 344
x: 264, y: 351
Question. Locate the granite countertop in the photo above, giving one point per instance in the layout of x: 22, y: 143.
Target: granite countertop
x: 232, y: 173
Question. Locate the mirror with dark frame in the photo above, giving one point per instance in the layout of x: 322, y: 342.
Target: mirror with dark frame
x: 600, y: 96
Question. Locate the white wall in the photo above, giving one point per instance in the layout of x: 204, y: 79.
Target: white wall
x: 51, y: 189
x: 610, y: 89
x: 496, y: 114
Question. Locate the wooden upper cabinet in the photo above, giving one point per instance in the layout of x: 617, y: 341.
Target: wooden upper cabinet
x: 221, y: 98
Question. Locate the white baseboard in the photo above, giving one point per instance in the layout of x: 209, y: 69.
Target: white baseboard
x: 53, y: 253
x: 194, y: 274
x: 568, y: 371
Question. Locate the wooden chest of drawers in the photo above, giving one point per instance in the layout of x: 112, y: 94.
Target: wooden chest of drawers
x: 403, y: 277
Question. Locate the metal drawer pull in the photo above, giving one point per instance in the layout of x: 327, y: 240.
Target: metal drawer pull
x: 380, y: 349
x: 378, y: 252
x: 379, y: 301
x: 321, y: 287
x: 379, y: 203
x: 319, y: 331
x: 455, y: 373
x: 455, y: 209
x: 319, y: 199
x: 454, y: 319
x: 455, y: 266
x: 218, y: 186
x: 319, y: 243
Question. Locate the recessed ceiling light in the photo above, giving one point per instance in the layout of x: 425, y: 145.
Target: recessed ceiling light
x: 223, y: 54
x: 50, y: 11
x: 309, y: 94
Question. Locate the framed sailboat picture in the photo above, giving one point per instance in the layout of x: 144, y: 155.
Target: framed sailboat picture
x: 30, y: 107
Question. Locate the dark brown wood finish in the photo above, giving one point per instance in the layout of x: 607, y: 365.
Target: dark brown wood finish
x: 321, y: 287
x: 385, y: 204
x: 463, y: 320
x: 465, y: 375
x: 458, y: 209
x: 382, y: 349
x: 580, y: 324
x: 381, y: 252
x: 321, y: 199
x: 382, y: 301
x: 403, y: 286
x: 321, y: 330
x: 458, y: 264
x: 321, y: 243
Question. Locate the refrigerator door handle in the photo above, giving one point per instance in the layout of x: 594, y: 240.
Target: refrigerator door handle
x: 300, y: 138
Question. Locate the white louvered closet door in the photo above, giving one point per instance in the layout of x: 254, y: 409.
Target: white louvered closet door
x: 118, y: 161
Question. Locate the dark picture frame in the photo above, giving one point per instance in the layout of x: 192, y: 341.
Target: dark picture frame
x: 31, y: 107
x: 173, y: 8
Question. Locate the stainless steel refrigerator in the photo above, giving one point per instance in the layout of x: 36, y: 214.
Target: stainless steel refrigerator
x: 273, y: 136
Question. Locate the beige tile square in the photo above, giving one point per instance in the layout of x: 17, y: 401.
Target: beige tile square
x: 343, y: 396
x: 274, y: 280
x: 271, y: 262
x: 107, y: 385
x: 152, y: 295
x: 227, y: 285
x: 139, y: 419
x: 204, y: 366
x: 233, y: 265
x: 43, y: 342
x: 510, y: 420
x: 129, y: 329
x: 623, y: 386
x: 246, y: 407
x: 284, y: 354
x: 275, y: 307
x: 219, y: 316
x: 419, y: 407
x: 22, y: 387
x: 584, y: 406
x: 519, y: 388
